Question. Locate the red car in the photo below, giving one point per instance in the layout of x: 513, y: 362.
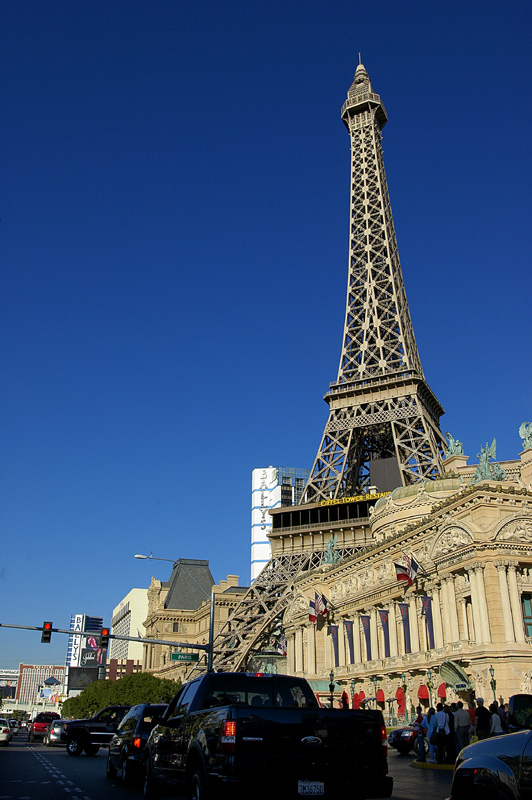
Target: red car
x: 40, y: 724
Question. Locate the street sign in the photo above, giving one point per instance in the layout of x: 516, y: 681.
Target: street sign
x: 184, y: 657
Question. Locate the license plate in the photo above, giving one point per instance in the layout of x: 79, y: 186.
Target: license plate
x: 311, y: 788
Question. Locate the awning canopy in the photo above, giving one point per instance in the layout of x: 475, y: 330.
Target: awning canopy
x: 380, y: 696
x: 442, y: 690
x: 423, y: 692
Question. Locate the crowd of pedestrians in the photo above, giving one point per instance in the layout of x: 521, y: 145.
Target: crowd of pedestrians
x: 448, y: 729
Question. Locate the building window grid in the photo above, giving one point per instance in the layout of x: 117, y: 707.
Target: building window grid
x: 527, y: 613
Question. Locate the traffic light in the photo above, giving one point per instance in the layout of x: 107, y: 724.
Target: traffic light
x: 104, y: 638
x: 46, y: 635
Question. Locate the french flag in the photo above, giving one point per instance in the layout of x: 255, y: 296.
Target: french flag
x: 311, y: 611
x: 407, y: 572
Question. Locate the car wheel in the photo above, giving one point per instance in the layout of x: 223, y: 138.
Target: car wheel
x: 110, y: 769
x: 91, y: 749
x: 126, y: 774
x: 150, y: 789
x: 197, y: 789
x: 74, y: 746
x: 31, y: 737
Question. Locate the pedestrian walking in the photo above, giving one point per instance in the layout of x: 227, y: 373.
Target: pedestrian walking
x: 441, y: 731
x: 482, y: 720
x: 462, y: 723
x: 450, y: 744
x: 418, y: 727
x: 429, y: 725
x: 496, y: 725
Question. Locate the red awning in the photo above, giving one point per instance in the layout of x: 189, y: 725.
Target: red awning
x: 362, y: 695
x: 442, y: 690
x: 356, y: 700
x: 380, y: 696
x: 423, y: 692
x: 400, y: 695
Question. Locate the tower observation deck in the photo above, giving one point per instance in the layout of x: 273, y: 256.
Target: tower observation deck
x: 383, y: 426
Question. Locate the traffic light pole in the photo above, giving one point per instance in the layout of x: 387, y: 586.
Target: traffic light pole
x: 144, y: 640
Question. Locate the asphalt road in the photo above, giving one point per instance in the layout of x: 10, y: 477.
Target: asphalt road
x: 34, y: 772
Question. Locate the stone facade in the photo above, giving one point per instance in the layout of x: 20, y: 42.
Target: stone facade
x: 180, y: 625
x: 473, y: 544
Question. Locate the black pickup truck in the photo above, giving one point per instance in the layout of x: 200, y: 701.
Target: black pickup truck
x: 90, y: 734
x: 248, y: 735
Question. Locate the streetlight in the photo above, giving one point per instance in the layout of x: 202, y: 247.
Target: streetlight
x: 331, y: 687
x: 211, y: 598
x: 403, y: 684
x: 374, y: 682
x: 429, y: 685
x: 352, y: 687
x: 493, y: 682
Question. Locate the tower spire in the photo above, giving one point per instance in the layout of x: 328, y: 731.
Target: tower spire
x: 383, y: 427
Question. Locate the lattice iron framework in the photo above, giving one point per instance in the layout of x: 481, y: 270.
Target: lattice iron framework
x: 380, y: 404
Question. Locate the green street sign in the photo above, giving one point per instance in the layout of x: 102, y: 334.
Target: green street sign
x: 184, y: 657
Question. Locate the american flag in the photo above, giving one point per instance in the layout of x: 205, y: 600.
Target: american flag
x: 281, y: 644
x: 321, y: 602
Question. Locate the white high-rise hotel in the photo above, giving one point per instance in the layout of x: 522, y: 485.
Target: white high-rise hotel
x: 271, y: 487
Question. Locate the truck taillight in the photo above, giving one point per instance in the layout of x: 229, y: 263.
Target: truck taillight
x: 136, y: 742
x: 228, y: 737
x: 384, y: 740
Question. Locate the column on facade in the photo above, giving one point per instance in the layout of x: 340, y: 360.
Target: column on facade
x: 515, y: 601
x: 436, y: 618
x: 453, y: 611
x: 298, y: 650
x: 483, y: 604
x: 374, y: 638
x: 509, y: 633
x: 392, y: 617
x: 414, y: 628
x: 311, y: 649
x: 465, y: 621
x: 475, y: 607
x: 446, y: 617
x: 290, y: 653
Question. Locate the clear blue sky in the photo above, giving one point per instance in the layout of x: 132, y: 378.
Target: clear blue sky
x: 174, y: 245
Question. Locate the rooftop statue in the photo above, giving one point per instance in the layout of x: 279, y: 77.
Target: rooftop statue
x: 330, y: 554
x: 525, y: 432
x: 485, y: 470
x: 454, y: 448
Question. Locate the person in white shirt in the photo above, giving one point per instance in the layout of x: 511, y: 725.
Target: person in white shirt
x: 496, y: 726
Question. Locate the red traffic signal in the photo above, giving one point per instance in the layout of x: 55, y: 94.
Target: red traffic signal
x: 46, y: 635
x: 104, y: 638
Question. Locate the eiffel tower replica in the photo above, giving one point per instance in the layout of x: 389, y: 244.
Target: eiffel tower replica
x: 383, y: 427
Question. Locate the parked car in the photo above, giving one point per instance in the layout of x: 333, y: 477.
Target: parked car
x: 126, y: 748
x: 405, y: 739
x: 40, y: 724
x: 5, y: 732
x: 90, y: 734
x: 53, y: 733
x: 261, y: 736
x: 498, y: 768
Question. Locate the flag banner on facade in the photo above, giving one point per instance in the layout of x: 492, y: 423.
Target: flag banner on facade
x: 348, y: 625
x: 383, y: 614
x: 281, y: 645
x: 321, y: 602
x: 408, y: 571
x: 427, y: 610
x: 403, y: 608
x: 333, y: 631
x: 312, y: 611
x: 367, y: 634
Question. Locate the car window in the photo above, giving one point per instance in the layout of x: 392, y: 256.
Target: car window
x: 186, y: 698
x: 259, y: 692
x: 129, y: 723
